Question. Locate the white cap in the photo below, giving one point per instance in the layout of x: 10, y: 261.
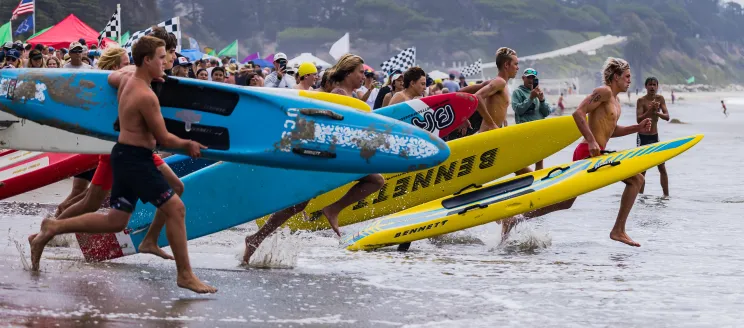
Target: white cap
x: 280, y: 55
x: 396, y: 76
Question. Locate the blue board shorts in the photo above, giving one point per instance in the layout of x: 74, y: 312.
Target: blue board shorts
x: 136, y: 178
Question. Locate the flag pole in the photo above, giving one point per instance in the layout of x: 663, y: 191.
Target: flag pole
x: 34, y: 16
x: 119, y: 30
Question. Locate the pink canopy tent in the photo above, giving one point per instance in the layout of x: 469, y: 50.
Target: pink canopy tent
x: 69, y: 30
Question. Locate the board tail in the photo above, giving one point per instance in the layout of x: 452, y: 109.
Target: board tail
x: 105, y: 246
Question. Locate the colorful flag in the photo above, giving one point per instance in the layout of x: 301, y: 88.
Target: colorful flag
x: 26, y: 6
x: 230, y: 51
x: 250, y: 57
x: 124, y: 38
x: 691, y: 80
x: 25, y: 26
x: 6, y: 34
x: 193, y: 44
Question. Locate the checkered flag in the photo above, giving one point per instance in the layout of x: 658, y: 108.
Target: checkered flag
x: 402, y: 61
x: 171, y: 26
x: 113, y: 28
x: 473, y: 69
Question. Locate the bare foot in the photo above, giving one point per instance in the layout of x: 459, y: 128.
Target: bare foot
x: 250, y: 247
x: 332, y: 220
x: 506, y: 227
x: 39, y: 241
x: 191, y: 282
x: 623, y: 238
x: 148, y: 247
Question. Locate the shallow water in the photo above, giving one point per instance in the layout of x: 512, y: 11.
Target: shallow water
x: 561, y: 270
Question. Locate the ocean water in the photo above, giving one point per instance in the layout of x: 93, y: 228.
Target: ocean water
x: 561, y: 270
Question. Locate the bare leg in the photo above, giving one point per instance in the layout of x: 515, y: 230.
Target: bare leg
x: 632, y: 186
x: 366, y: 186
x: 643, y: 186
x: 78, y: 191
x: 175, y: 230
x: 275, y: 221
x: 114, y: 221
x: 509, y: 223
x: 523, y: 171
x: 664, y: 179
x: 149, y: 244
x: 539, y: 165
x: 91, y: 202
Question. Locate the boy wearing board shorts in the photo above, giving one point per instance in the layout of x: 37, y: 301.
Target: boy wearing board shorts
x: 603, y: 109
x: 652, y: 106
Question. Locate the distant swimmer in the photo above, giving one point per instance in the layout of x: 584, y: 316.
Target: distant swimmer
x: 652, y: 106
x: 603, y: 108
x: 724, y: 108
x: 135, y: 176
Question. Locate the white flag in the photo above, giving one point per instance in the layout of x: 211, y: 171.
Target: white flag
x: 341, y: 47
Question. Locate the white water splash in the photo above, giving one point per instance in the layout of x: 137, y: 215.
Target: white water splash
x: 278, y: 251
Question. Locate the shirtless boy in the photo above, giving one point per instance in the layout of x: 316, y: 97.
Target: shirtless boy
x: 493, y: 96
x: 603, y: 109
x: 414, y: 85
x: 652, y: 106
x: 135, y: 175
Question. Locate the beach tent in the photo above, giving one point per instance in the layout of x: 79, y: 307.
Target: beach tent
x: 307, y: 57
x: 69, y: 30
x: 438, y: 75
x: 192, y: 54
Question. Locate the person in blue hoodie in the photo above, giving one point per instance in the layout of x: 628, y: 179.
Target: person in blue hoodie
x: 529, y: 105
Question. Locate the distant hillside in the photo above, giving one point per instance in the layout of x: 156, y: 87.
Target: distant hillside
x: 454, y: 30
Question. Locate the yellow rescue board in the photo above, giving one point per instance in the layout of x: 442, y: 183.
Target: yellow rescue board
x: 473, y: 160
x: 506, y: 198
x: 322, y: 96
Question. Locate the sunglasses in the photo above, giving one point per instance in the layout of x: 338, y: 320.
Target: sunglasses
x: 530, y: 72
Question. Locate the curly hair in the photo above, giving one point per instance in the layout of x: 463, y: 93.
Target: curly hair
x: 412, y: 74
x: 111, y: 58
x: 613, y: 66
x: 503, y: 56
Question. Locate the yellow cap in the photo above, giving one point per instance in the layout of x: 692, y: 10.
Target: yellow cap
x: 307, y: 68
x: 438, y: 81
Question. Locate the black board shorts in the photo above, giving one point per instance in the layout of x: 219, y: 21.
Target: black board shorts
x: 87, y: 175
x: 646, y: 139
x: 136, y: 178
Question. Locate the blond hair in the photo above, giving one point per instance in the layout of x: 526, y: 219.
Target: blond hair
x: 345, y: 66
x: 111, y: 58
x: 503, y: 56
x: 55, y: 59
x: 613, y: 66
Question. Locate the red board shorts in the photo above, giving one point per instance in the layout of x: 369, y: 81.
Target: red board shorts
x: 581, y: 152
x: 104, y: 177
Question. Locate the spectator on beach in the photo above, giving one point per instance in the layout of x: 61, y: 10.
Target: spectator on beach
x: 12, y: 59
x: 279, y: 77
x: 35, y: 59
x: 53, y: 62
x: 307, y: 74
x: 202, y: 74
x: 368, y: 91
x: 181, y: 67
x: 463, y: 83
x: 451, y: 84
x: 528, y: 102
x: 218, y: 74
x: 397, y: 86
x: 76, y: 57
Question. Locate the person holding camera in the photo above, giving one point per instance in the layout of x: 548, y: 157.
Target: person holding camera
x: 279, y: 77
x: 368, y: 91
x: 529, y: 104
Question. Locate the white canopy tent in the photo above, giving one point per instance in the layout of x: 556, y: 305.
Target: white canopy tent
x: 438, y: 75
x: 308, y: 57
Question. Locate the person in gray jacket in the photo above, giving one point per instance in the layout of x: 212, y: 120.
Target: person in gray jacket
x: 529, y: 105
